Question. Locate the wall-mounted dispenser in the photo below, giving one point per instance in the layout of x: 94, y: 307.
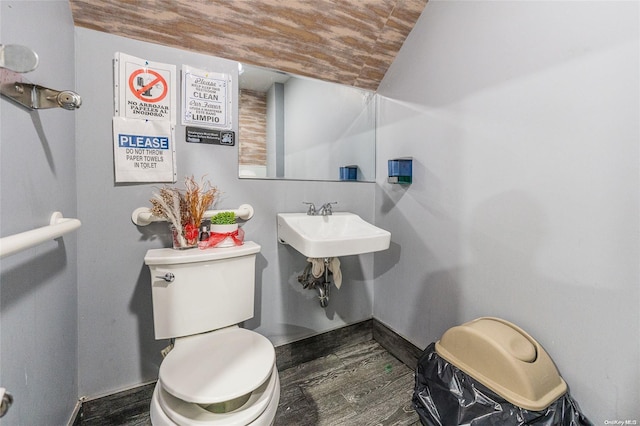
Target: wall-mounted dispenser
x: 400, y: 170
x: 349, y: 172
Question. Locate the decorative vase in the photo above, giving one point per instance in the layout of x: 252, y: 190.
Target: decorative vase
x: 184, y: 238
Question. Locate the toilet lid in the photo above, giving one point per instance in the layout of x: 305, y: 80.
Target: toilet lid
x: 218, y: 366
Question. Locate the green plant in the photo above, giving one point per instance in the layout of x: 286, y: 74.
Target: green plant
x: 224, y: 218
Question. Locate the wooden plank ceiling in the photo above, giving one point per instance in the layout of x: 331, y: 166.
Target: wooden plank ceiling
x: 351, y: 42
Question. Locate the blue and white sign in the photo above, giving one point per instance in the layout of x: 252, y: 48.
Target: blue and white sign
x: 143, y: 141
x: 143, y: 151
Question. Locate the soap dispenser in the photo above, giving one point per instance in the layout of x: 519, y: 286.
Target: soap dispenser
x: 400, y: 170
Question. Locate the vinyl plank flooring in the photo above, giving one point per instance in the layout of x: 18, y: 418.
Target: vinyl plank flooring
x: 363, y: 385
x: 351, y: 385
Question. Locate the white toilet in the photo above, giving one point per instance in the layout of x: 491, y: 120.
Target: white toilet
x: 217, y: 373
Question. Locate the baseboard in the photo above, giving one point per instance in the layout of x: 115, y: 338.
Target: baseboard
x: 117, y: 408
x: 396, y: 345
x: 76, y: 416
x: 295, y: 353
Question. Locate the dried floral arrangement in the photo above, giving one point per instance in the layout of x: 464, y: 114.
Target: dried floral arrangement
x: 184, y: 208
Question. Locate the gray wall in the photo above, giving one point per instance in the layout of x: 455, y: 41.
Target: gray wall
x: 524, y: 205
x: 38, y: 289
x: 522, y: 118
x: 116, y: 344
x: 337, y: 129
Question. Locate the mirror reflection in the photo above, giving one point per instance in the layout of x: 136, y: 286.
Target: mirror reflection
x: 293, y: 127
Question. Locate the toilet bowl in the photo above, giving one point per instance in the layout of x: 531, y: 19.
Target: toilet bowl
x: 216, y: 373
x: 259, y: 410
x: 222, y: 377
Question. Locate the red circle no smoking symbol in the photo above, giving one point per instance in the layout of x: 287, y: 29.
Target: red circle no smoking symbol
x: 148, y: 85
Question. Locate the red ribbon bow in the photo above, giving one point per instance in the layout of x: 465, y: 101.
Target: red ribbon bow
x: 191, y: 232
x: 216, y: 238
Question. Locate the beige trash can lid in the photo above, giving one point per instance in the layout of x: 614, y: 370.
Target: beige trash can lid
x: 504, y: 358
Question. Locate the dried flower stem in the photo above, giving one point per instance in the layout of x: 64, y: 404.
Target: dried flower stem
x: 167, y: 204
x: 198, y: 198
x: 184, y: 207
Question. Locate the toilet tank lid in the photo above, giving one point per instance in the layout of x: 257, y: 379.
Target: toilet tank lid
x: 168, y: 256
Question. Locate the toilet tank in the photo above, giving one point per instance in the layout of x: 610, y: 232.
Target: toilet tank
x: 210, y: 289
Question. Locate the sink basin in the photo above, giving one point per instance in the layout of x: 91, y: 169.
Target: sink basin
x: 340, y: 234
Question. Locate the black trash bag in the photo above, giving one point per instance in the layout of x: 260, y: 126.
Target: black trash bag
x: 446, y: 396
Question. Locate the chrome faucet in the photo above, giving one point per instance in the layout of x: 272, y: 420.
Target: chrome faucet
x: 325, y: 210
x: 312, y: 208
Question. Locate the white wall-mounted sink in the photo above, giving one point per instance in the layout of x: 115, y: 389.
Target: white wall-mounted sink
x: 339, y: 234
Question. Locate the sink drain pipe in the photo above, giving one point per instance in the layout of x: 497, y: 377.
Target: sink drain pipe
x: 322, y: 283
x: 323, y: 289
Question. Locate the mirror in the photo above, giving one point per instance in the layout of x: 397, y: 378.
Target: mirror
x: 293, y: 127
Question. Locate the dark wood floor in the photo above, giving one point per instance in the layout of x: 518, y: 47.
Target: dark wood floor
x: 356, y: 385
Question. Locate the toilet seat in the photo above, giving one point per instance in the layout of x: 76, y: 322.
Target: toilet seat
x: 217, y: 366
x: 259, y: 410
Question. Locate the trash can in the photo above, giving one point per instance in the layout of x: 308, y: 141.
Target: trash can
x: 491, y: 372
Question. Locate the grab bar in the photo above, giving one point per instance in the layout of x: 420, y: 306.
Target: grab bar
x: 142, y: 215
x: 58, y: 226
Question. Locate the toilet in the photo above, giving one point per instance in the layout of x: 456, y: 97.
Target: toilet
x: 216, y: 373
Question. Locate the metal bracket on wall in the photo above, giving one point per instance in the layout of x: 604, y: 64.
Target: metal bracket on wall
x: 34, y: 96
x: 16, y: 59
